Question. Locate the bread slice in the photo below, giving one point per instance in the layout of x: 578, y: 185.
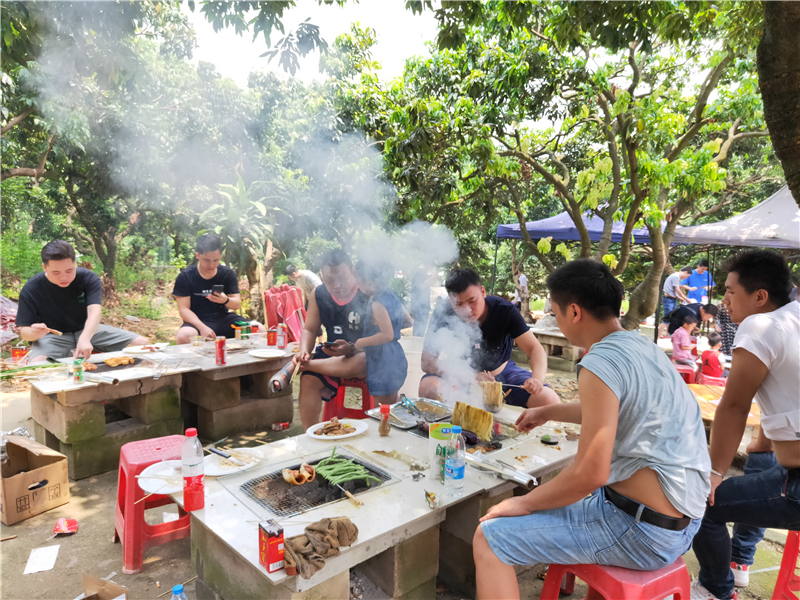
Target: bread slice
x: 473, y: 419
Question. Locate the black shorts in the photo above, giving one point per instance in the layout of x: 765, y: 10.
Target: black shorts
x: 222, y: 326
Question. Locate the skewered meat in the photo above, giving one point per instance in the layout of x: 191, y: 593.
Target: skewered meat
x: 118, y: 361
x: 87, y: 366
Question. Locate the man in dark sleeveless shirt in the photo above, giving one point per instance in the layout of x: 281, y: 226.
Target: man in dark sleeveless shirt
x: 340, y: 307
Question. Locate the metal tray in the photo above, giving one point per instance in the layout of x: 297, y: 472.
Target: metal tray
x: 402, y: 418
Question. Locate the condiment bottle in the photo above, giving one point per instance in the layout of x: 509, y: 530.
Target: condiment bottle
x: 384, y: 428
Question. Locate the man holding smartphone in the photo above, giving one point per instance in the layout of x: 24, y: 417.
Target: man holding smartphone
x: 206, y: 294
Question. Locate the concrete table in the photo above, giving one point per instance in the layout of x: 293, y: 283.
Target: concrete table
x: 399, y: 539
x: 561, y: 355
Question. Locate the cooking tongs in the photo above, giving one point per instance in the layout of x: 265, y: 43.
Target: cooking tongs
x: 410, y: 406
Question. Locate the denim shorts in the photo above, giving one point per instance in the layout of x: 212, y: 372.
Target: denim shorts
x: 592, y: 531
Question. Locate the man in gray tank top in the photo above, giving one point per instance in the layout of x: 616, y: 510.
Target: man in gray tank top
x: 642, y: 453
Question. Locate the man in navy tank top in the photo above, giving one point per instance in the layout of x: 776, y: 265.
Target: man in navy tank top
x: 340, y: 307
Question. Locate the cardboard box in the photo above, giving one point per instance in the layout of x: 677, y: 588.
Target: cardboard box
x: 100, y: 589
x: 33, y: 481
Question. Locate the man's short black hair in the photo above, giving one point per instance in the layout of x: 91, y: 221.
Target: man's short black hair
x: 710, y: 309
x: 703, y: 263
x: 590, y: 285
x: 762, y: 270
x: 714, y: 338
x: 57, y: 250
x: 458, y: 280
x: 291, y: 269
x: 208, y: 242
x: 686, y: 269
x: 334, y: 258
x: 689, y: 319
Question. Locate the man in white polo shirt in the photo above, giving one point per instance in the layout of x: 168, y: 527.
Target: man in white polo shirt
x: 766, y: 365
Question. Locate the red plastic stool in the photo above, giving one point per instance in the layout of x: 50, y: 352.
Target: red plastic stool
x: 686, y: 372
x: 709, y: 380
x: 614, y: 583
x: 788, y: 581
x: 335, y: 408
x: 130, y: 527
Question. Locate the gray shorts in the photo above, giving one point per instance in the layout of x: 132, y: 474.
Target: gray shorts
x: 106, y: 339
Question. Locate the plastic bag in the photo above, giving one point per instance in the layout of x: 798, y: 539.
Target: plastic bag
x: 23, y: 431
x: 8, y: 319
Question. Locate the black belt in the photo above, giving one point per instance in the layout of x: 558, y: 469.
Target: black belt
x: 648, y: 515
x: 671, y: 297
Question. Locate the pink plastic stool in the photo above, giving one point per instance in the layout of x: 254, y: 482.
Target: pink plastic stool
x: 130, y: 527
x: 686, y: 372
x: 788, y: 581
x: 335, y: 408
x: 709, y: 380
x: 615, y: 583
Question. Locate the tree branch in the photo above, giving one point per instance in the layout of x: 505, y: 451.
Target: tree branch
x: 16, y: 120
x: 732, y: 137
x: 36, y: 172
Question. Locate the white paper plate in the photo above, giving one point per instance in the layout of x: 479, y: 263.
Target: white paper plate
x: 142, y: 350
x: 167, y: 468
x: 215, y: 466
x: 359, y: 425
x: 268, y: 353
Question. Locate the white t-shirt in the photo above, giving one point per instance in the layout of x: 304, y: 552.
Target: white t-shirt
x: 774, y: 339
x: 307, y: 281
x: 523, y: 282
x: 672, y: 282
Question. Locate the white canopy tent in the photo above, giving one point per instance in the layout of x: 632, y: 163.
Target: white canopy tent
x: 774, y: 223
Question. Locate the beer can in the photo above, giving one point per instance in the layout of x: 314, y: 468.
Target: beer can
x: 270, y: 545
x: 221, y: 351
x: 272, y: 337
x: 280, y: 426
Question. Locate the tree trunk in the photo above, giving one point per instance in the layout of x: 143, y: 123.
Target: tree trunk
x: 255, y: 280
x: 779, y: 79
x: 271, y: 256
x: 109, y: 260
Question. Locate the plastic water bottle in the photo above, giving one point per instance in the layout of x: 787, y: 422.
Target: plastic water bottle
x: 177, y: 592
x: 455, y: 464
x: 192, y: 468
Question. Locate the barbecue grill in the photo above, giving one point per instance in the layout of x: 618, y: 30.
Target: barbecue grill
x: 265, y: 492
x: 507, y: 432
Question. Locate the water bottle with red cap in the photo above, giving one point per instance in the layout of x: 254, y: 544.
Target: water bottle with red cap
x: 192, y: 467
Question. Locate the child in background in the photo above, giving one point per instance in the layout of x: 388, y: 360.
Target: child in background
x: 682, y: 342
x: 710, y: 358
x: 387, y: 366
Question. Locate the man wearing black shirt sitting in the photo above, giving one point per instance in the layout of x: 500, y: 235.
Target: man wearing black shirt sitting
x: 67, y: 299
x: 482, y: 329
x: 701, y: 312
x: 206, y: 293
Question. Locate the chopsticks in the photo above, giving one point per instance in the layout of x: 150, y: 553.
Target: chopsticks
x: 296, y: 369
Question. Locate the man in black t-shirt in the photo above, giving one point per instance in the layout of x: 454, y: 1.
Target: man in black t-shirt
x: 470, y: 338
x: 701, y: 312
x: 66, y: 299
x: 340, y: 307
x: 204, y: 310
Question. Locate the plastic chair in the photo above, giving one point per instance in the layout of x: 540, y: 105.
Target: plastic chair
x: 709, y: 380
x: 687, y: 372
x: 788, y: 581
x: 336, y: 408
x: 613, y: 583
x: 130, y: 527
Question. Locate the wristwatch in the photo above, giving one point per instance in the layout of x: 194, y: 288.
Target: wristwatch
x: 227, y: 299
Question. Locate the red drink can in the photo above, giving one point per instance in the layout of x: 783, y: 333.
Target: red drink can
x: 18, y: 352
x: 272, y: 337
x: 270, y: 545
x: 280, y: 426
x: 221, y: 352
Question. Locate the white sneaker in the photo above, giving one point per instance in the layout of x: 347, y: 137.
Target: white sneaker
x: 698, y: 592
x: 741, y: 575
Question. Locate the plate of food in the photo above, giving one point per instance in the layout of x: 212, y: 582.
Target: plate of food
x: 119, y: 361
x: 336, y: 429
x: 147, y: 348
x: 216, y: 466
x: 267, y: 353
x: 163, y: 477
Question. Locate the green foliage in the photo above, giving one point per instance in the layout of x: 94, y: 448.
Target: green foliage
x: 19, y: 253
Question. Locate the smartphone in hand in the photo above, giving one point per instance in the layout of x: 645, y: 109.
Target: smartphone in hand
x: 218, y: 289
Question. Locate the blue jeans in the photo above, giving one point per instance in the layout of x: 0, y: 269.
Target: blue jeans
x: 669, y: 305
x: 745, y: 537
x: 592, y: 531
x: 769, y: 498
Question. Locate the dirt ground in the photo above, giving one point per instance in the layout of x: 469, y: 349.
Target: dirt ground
x: 91, y: 550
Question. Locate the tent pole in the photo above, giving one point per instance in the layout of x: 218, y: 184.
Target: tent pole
x: 659, y: 308
x: 494, y: 266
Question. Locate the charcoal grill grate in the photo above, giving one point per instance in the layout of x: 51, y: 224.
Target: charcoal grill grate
x: 281, y: 499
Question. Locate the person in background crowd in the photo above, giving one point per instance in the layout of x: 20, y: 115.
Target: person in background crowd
x: 206, y: 293
x: 726, y: 328
x: 523, y: 283
x: 422, y: 281
x: 701, y: 312
x: 710, y: 358
x: 766, y: 365
x: 682, y: 342
x: 636, y: 492
x: 306, y: 281
x: 700, y: 283
x: 673, y: 293
x: 66, y: 298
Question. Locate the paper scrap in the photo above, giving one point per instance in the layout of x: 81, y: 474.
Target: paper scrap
x: 42, y: 559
